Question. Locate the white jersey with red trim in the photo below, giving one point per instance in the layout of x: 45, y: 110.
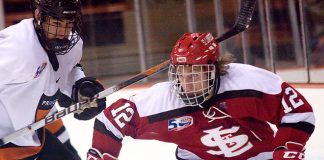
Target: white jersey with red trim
x: 233, y: 124
x: 28, y: 83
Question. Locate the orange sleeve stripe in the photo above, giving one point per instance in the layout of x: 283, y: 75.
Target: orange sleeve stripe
x: 21, y: 152
x: 55, y: 126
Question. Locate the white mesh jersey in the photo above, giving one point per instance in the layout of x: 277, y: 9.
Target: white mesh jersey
x: 28, y: 84
x: 232, y: 125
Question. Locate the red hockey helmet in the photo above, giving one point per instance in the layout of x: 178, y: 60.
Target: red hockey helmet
x: 192, y: 72
x: 195, y: 48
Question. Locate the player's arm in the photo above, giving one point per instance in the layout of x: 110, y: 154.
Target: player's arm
x: 67, y: 81
x: 296, y: 123
x: 116, y: 121
x: 83, y: 88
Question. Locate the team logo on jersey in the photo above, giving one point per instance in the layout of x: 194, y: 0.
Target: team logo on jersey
x: 180, y: 123
x: 215, y: 113
x: 228, y: 142
x: 40, y: 69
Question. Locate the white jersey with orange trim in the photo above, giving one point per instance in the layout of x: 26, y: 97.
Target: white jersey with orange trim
x: 28, y: 83
x: 233, y: 124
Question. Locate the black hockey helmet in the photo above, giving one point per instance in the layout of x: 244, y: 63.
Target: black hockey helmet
x: 56, y: 38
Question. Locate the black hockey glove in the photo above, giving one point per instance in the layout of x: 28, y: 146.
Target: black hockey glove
x: 83, y: 89
x: 64, y: 101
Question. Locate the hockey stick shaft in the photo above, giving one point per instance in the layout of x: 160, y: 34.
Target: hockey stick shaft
x: 60, y: 114
x: 242, y: 22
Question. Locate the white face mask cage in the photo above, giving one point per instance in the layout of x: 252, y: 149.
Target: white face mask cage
x: 194, y: 84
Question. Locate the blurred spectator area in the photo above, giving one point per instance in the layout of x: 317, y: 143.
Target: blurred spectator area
x: 124, y: 37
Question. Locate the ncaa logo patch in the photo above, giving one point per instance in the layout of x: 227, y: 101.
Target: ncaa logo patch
x: 40, y: 69
x: 180, y: 123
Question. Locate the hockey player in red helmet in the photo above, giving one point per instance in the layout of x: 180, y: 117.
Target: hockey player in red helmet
x: 211, y: 108
x: 193, y: 70
x: 39, y: 65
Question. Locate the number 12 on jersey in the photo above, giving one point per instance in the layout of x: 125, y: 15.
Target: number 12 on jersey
x: 295, y: 102
x: 120, y: 114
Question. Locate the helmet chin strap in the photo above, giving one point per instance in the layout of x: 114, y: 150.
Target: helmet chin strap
x: 194, y: 100
x: 216, y: 89
x: 217, y: 82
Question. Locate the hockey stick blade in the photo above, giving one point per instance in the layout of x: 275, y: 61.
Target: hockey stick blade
x: 242, y: 22
x: 60, y: 114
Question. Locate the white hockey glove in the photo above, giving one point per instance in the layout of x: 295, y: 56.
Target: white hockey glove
x: 84, y: 89
x: 94, y: 154
x: 291, y: 151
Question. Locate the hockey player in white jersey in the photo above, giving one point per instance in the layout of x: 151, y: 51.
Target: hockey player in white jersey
x: 39, y: 64
x: 211, y: 108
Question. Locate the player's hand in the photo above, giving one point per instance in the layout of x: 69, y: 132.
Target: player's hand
x: 64, y: 100
x: 85, y: 89
x: 291, y: 151
x: 94, y: 154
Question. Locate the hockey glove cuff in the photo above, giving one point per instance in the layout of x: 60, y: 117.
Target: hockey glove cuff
x: 85, y: 89
x: 64, y: 101
x: 291, y: 151
x: 94, y: 154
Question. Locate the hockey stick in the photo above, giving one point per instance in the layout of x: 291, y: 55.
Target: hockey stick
x: 242, y: 22
x: 60, y: 114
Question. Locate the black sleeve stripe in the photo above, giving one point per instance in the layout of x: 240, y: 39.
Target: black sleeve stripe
x: 100, y: 127
x: 187, y: 110
x: 9, y: 145
x: 79, y: 66
x: 303, y: 126
x: 240, y: 93
x: 173, y: 113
